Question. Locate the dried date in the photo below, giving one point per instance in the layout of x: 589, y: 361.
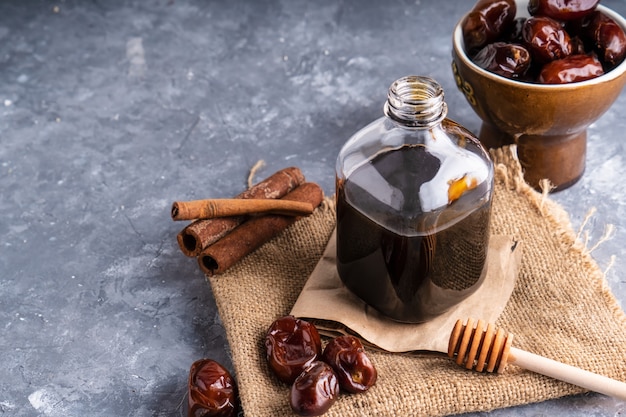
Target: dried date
x: 505, y: 59
x: 514, y: 34
x: 315, y: 390
x: 578, y: 46
x: 571, y: 69
x: 546, y: 39
x: 486, y: 22
x: 347, y: 357
x: 212, y: 390
x: 607, y: 36
x: 562, y: 9
x: 291, y: 344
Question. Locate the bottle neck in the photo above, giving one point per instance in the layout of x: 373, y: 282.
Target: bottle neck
x: 416, y: 101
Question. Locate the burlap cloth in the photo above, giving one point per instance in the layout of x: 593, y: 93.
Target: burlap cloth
x: 561, y: 308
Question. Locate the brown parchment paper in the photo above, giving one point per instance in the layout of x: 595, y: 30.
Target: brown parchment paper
x: 325, y: 301
x: 560, y: 307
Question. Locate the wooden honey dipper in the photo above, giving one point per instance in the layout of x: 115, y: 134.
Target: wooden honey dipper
x: 492, y: 351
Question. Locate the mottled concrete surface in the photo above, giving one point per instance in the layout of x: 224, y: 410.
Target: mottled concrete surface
x: 110, y: 110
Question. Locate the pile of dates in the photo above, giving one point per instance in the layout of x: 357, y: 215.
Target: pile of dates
x: 563, y: 41
x: 295, y: 356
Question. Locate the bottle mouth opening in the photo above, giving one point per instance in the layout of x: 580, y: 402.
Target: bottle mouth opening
x: 416, y: 101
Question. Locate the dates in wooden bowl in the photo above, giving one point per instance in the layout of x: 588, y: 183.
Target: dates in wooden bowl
x: 501, y: 39
x: 543, y: 102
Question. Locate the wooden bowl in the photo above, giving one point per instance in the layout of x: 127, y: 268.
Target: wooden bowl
x: 548, y: 123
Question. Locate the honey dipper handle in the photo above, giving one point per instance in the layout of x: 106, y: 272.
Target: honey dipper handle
x: 571, y: 374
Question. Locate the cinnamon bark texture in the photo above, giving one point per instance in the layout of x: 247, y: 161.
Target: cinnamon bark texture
x: 202, y: 233
x: 223, y: 254
x: 226, y: 207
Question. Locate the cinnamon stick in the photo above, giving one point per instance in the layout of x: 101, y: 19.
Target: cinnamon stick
x: 201, y: 233
x: 227, y: 251
x: 225, y: 207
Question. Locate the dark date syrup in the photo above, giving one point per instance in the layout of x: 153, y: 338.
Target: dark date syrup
x: 410, y: 261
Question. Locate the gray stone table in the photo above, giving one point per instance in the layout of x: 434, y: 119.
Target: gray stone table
x: 110, y: 110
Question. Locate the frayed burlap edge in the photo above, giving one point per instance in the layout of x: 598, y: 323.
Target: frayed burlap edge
x: 509, y: 170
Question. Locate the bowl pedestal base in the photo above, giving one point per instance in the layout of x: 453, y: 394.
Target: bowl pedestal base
x: 557, y: 158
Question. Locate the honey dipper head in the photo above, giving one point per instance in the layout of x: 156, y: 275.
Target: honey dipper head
x: 479, y: 347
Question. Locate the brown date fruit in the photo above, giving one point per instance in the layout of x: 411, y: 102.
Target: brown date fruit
x: 546, y: 39
x: 486, y: 22
x: 571, y: 69
x: 505, y: 59
x: 607, y: 36
x: 562, y: 9
x: 347, y: 357
x: 315, y: 390
x: 578, y: 46
x: 514, y: 34
x: 291, y: 344
x: 212, y: 390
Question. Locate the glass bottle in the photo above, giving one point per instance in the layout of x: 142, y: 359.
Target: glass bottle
x: 414, y: 192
